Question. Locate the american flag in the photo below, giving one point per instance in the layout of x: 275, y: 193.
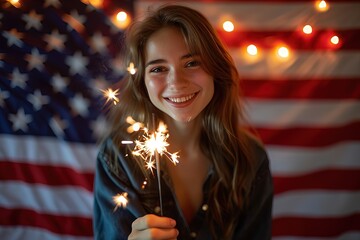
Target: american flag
x: 55, y: 58
x: 56, y: 55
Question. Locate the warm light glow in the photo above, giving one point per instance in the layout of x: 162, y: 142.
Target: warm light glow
x: 322, y: 6
x: 228, y: 26
x: 335, y: 40
x: 307, y: 29
x: 131, y: 69
x: 252, y: 50
x: 121, y: 19
x: 96, y: 3
x: 120, y: 200
x: 111, y: 95
x: 15, y: 3
x: 121, y: 16
x: 134, y: 126
x: 283, y: 52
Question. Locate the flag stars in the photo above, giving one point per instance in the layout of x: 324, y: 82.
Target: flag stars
x: 35, y: 60
x: 99, y: 43
x: 32, y: 20
x: 38, y: 100
x: 59, y: 83
x: 55, y: 41
x: 80, y: 105
x: 77, y: 63
x: 18, y: 79
x: 13, y: 37
x: 20, y: 120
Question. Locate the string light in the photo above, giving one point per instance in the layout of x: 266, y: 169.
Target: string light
x: 283, y: 52
x: 307, y: 29
x: 228, y: 26
x: 121, y: 19
x: 335, y: 40
x: 322, y: 6
x: 252, y: 50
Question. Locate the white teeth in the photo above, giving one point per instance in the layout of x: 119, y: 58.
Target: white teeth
x: 182, y: 99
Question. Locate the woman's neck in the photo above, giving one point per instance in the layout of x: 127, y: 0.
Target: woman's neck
x: 184, y: 136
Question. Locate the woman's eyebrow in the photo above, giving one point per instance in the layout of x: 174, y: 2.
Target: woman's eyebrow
x: 157, y: 61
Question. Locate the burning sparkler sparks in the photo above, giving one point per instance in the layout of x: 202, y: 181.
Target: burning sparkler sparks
x: 120, y: 200
x: 151, y: 144
x: 111, y: 95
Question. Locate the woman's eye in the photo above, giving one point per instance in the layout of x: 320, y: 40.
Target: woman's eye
x: 193, y: 64
x: 157, y: 69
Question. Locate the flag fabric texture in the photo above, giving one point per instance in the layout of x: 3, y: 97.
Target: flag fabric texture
x: 56, y: 55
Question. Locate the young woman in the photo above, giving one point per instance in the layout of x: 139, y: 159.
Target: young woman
x: 222, y: 187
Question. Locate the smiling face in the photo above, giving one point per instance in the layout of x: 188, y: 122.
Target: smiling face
x: 175, y: 79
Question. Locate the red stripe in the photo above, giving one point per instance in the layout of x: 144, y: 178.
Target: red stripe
x: 318, y: 40
x: 45, y: 174
x: 64, y: 225
x: 302, y: 89
x: 315, y: 226
x: 310, y: 137
x: 331, y: 179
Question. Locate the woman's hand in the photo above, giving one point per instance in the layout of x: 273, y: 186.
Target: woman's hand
x: 153, y: 227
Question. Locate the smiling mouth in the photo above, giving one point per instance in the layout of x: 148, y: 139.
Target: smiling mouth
x: 181, y: 99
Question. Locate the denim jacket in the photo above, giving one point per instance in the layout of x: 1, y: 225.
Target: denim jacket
x: 111, y: 222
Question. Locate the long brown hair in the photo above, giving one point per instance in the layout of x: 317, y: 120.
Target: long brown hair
x: 222, y: 138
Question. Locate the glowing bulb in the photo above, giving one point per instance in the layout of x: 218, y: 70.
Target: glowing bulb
x: 121, y: 19
x: 335, y: 40
x: 228, y: 26
x: 283, y: 52
x: 307, y: 29
x: 251, y: 49
x: 121, y: 16
x: 322, y: 6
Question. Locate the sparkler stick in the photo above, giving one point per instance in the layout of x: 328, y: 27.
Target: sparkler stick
x: 157, y: 163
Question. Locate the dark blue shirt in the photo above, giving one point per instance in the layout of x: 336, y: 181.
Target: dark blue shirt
x: 254, y: 222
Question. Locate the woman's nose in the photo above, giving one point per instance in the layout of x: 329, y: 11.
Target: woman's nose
x: 177, y: 80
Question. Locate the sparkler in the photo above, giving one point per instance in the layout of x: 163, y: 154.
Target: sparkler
x: 111, y: 95
x: 150, y: 146
x: 120, y: 200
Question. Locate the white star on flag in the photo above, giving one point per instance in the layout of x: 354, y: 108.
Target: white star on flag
x: 54, y: 3
x: 58, y: 126
x: 55, y: 41
x: 3, y: 95
x: 59, y: 83
x: 77, y: 63
x: 38, y: 100
x: 18, y: 79
x: 80, y: 105
x: 35, y: 60
x: 20, y: 120
x: 33, y: 20
x: 99, y: 43
x: 13, y: 37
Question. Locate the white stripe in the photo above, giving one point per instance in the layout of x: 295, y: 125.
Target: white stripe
x: 344, y: 236
x: 316, y: 204
x: 22, y: 232
x: 296, y: 160
x: 47, y: 150
x: 289, y: 113
x: 300, y: 64
x: 70, y: 201
x: 271, y: 16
